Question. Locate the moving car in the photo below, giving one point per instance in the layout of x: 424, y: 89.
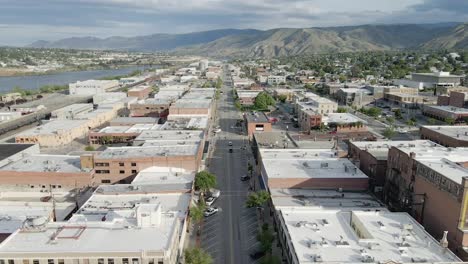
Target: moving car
x: 230, y: 143
x: 210, y: 211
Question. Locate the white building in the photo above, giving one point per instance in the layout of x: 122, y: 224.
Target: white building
x: 92, y: 87
x: 119, y: 224
x: 71, y: 111
x: 7, y: 116
x: 276, y: 79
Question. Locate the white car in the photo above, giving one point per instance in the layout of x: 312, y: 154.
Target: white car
x: 210, y: 211
x: 217, y: 130
x: 210, y: 200
x: 230, y: 143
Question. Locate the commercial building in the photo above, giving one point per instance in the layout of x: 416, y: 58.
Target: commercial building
x: 256, y: 122
x: 130, y: 121
x: 307, y: 117
x: 449, y: 136
x: 354, y: 96
x: 408, y: 100
x: 183, y: 149
x: 184, y: 122
x: 344, y: 122
x: 54, y: 133
x: 276, y: 79
x: 10, y: 152
x: 140, y: 92
x: 131, y: 224
x: 443, y: 112
x: 456, y: 99
x: 247, y: 97
x: 45, y: 172
x: 371, y: 157
x: 191, y: 107
x: 430, y: 80
x: 241, y: 82
x: 151, y: 107
x: 309, y: 169
x: 71, y: 111
x: 104, y: 98
x: 92, y: 87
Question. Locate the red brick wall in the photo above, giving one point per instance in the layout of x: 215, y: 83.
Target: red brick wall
x: 442, y: 139
x: 457, y: 99
x: 252, y: 126
x: 141, y: 94
x: 443, y: 100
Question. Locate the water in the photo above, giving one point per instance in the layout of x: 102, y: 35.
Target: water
x: 36, y: 81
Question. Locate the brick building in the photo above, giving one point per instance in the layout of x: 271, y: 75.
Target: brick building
x: 140, y: 92
x: 256, y: 122
x: 449, y: 136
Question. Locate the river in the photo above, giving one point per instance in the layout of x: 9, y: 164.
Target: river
x: 32, y: 82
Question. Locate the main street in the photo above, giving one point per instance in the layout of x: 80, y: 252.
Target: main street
x: 230, y: 235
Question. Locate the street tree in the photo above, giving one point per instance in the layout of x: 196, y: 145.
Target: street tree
x: 204, y: 181
x: 449, y: 120
x: 257, y: 199
x: 266, y: 238
x: 389, y: 132
x: 196, y: 213
x: 197, y: 256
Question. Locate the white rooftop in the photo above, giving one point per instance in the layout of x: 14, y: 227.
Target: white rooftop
x: 148, y: 151
x: 334, y: 236
x: 175, y: 122
x: 307, y: 163
x: 53, y: 127
x: 457, y: 132
x: 192, y: 103
x: 341, y: 118
x: 449, y: 109
x: 369, y: 145
x: 45, y: 163
x: 163, y: 175
x: 173, y: 136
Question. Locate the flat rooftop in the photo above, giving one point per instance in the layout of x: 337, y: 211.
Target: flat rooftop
x: 457, y: 132
x: 156, y: 101
x: 10, y: 149
x: 274, y: 140
x: 334, y: 236
x: 148, y: 151
x: 74, y: 107
x: 448, y: 109
x: 342, y: 118
x: 116, y: 217
x: 323, y: 199
x: 173, y: 135
x: 310, y: 163
x: 53, y: 127
x: 139, y: 88
x: 369, y: 145
x: 46, y: 163
x: 180, y: 123
x: 256, y: 117
x: 192, y: 103
x: 163, y: 175
x: 134, y: 120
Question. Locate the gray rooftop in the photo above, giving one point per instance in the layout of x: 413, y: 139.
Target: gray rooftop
x: 256, y: 117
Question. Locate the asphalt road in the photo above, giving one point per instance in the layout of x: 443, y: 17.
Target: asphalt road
x: 230, y: 235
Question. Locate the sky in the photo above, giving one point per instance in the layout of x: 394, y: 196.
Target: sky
x: 25, y: 21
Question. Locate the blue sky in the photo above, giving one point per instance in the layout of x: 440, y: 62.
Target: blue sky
x: 24, y: 21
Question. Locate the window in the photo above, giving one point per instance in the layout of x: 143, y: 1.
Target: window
x: 11, y: 261
x: 133, y: 164
x: 151, y: 261
x: 110, y: 261
x: 125, y: 261
x: 25, y: 261
x: 59, y: 186
x: 121, y: 164
x: 134, y: 171
x: 101, y: 164
x: 135, y: 261
x: 50, y: 261
x: 35, y: 261
x: 2, y: 261
x: 32, y: 186
x: 61, y: 261
x: 100, y: 261
x: 122, y: 172
x: 105, y: 181
x: 102, y: 171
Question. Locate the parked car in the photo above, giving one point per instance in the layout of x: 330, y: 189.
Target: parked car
x: 245, y: 177
x: 257, y: 255
x: 230, y: 143
x: 210, y: 200
x: 214, y: 192
x: 217, y: 130
x: 210, y: 211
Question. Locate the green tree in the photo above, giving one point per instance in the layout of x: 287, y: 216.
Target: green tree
x: 196, y: 213
x: 261, y: 101
x: 266, y: 238
x: 257, y: 199
x: 449, y: 120
x: 219, y: 83
x: 342, y: 110
x: 197, y: 256
x: 282, y: 98
x: 410, y: 122
x: 373, y: 111
x: 390, y: 120
x: 398, y: 114
x: 204, y: 181
x: 431, y: 121
x: 389, y: 132
x: 89, y: 148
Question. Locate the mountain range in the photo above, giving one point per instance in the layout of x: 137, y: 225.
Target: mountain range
x: 282, y: 41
